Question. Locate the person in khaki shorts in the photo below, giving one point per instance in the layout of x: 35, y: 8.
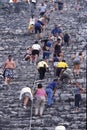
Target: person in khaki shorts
x: 40, y: 95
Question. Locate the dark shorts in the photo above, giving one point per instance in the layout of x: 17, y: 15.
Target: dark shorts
x: 35, y: 52
x: 37, y: 29
x: 58, y: 71
x: 46, y: 55
x: 42, y: 13
x: 8, y: 73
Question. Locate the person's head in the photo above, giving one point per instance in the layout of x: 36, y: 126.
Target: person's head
x: 36, y: 42
x: 60, y: 128
x: 59, y: 40
x: 9, y: 57
x: 28, y: 48
x: 55, y: 80
x: 42, y: 4
x: 32, y: 16
x: 80, y: 53
x: 63, y: 60
x: 40, y: 86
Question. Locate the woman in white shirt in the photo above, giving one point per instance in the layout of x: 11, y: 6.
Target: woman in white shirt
x: 26, y: 95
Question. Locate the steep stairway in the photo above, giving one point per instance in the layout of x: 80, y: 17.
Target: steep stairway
x: 13, y: 40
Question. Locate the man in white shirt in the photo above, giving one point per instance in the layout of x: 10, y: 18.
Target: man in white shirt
x: 36, y: 48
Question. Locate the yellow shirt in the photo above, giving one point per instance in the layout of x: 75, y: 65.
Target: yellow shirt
x: 41, y: 64
x: 62, y: 65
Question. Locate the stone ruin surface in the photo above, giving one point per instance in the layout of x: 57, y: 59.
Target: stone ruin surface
x: 14, y: 39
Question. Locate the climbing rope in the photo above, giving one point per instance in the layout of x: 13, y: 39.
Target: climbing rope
x: 32, y: 102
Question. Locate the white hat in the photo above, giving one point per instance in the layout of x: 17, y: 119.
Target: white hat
x: 60, y: 128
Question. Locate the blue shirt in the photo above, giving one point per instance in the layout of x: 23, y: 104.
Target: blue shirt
x: 52, y: 85
x: 38, y: 24
x: 77, y: 90
x: 56, y: 30
x: 56, y: 59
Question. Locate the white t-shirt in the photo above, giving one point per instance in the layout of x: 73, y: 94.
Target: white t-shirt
x: 10, y: 1
x: 32, y: 21
x: 26, y: 90
x: 42, y: 8
x: 34, y: 1
x: 36, y: 47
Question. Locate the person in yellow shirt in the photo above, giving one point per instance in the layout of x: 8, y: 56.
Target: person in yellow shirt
x: 61, y: 66
x: 42, y: 67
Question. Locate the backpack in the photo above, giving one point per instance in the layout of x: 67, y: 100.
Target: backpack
x: 76, y: 60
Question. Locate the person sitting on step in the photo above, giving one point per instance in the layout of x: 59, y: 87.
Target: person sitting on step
x: 28, y: 55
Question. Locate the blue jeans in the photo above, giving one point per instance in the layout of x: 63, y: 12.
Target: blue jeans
x: 46, y: 54
x: 49, y: 92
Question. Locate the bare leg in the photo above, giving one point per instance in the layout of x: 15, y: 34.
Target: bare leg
x: 36, y: 57
x: 7, y: 80
x: 26, y: 99
x: 36, y: 111
x: 42, y: 108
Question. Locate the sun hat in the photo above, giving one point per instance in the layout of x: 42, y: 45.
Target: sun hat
x: 60, y: 128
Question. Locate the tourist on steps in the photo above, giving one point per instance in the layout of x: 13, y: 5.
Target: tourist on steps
x: 8, y: 67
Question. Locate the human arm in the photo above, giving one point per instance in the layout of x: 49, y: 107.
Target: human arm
x: 14, y: 65
x: 54, y: 91
x: 4, y: 65
x: 82, y: 89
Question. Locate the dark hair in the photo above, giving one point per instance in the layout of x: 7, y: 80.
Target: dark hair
x: 40, y: 86
x: 80, y: 53
x: 63, y: 60
x: 10, y: 57
x: 36, y: 42
x: 55, y: 79
x: 58, y: 39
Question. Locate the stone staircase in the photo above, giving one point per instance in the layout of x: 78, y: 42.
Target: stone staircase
x: 13, y: 40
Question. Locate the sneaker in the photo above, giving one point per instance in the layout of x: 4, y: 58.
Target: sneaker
x: 34, y: 63
x: 30, y: 62
x: 24, y: 107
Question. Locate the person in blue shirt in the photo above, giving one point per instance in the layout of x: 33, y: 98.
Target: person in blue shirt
x: 57, y: 31
x: 50, y: 91
x: 47, y: 49
x: 38, y: 29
